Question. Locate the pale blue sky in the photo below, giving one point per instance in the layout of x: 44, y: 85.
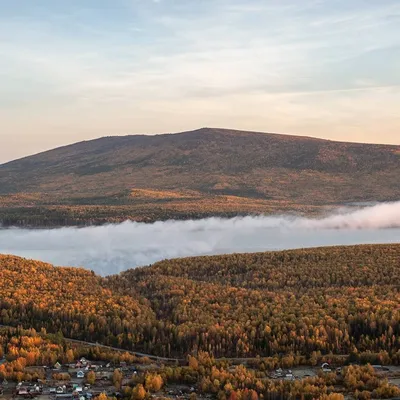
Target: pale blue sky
x: 79, y: 69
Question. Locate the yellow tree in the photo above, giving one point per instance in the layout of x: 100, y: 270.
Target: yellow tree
x: 91, y: 377
x: 69, y: 355
x: 101, y: 396
x: 117, y: 378
x: 138, y: 392
x: 153, y: 382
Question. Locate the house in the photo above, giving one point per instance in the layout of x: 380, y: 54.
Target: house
x: 61, y: 389
x: 80, y: 374
x: 22, y: 390
x: 104, y: 375
x: 27, y: 389
x: 326, y: 367
x: 289, y: 377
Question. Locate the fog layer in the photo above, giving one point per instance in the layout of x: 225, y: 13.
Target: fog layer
x: 110, y: 249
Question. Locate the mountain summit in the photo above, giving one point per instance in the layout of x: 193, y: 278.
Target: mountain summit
x: 237, y: 165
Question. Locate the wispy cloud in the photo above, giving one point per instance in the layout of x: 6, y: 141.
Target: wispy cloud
x: 146, y: 66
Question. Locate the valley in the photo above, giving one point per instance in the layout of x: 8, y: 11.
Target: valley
x: 199, y: 200
x: 318, y: 319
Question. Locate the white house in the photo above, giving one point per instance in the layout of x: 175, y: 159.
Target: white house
x: 80, y: 374
x: 326, y: 367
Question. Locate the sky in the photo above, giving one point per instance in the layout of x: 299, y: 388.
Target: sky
x: 75, y: 70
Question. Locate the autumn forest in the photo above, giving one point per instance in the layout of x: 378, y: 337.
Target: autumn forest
x: 275, y: 309
x: 337, y: 300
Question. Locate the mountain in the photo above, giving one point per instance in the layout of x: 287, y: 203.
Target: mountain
x: 202, y: 172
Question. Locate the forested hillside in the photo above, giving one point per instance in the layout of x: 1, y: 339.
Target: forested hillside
x: 70, y: 300
x: 338, y: 300
x: 192, y: 175
x: 299, y: 304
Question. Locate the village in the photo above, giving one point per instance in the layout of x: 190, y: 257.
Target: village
x: 86, y: 380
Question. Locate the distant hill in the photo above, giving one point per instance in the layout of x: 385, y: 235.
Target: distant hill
x: 208, y: 171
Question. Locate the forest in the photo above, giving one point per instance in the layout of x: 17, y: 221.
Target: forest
x: 292, y: 306
x: 45, y: 216
x: 28, y: 353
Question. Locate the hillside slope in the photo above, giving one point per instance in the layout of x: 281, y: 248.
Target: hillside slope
x: 71, y: 300
x: 209, y: 170
x: 329, y: 300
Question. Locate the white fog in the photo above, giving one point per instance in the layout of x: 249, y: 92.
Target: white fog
x: 110, y: 249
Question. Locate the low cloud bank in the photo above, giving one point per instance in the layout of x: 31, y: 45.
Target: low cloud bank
x: 380, y: 216
x: 110, y: 249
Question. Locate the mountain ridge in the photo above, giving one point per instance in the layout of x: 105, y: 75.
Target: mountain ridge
x: 230, y: 171
x: 204, y: 130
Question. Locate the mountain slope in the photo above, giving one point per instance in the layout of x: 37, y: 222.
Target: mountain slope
x: 197, y: 166
x: 332, y: 299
